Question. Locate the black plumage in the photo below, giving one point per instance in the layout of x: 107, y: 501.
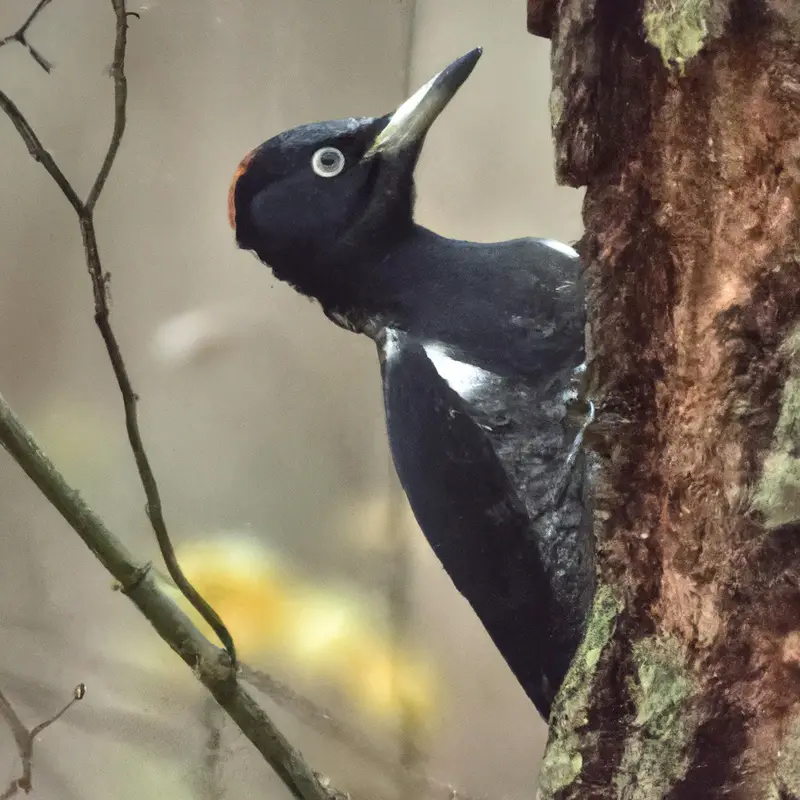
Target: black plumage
x: 481, y: 347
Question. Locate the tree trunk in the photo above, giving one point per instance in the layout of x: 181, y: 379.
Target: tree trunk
x: 682, y: 119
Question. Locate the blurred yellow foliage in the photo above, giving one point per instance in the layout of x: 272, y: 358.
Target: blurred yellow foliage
x: 325, y: 634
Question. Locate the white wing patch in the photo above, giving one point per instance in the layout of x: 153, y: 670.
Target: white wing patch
x: 464, y: 379
x: 560, y: 247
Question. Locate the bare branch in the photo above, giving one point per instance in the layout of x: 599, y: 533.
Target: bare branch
x: 136, y: 581
x: 130, y: 399
x: 99, y: 278
x: 38, y: 151
x: 78, y: 694
x: 20, y: 36
x: 120, y: 103
x: 101, y: 315
x: 25, y: 739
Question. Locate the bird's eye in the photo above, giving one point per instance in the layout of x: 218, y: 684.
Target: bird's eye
x: 327, y: 162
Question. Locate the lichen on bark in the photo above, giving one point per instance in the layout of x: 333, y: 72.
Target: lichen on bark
x: 655, y: 755
x: 563, y: 761
x: 778, y: 494
x: 679, y: 29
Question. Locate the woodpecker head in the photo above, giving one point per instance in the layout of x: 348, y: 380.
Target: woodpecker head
x: 316, y: 201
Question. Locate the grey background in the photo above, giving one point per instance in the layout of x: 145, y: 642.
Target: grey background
x: 257, y: 412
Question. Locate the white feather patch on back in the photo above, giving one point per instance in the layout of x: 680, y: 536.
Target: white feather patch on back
x: 560, y: 247
x: 463, y: 379
x: 390, y: 346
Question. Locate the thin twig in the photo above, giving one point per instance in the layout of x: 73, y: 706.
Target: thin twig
x: 21, y: 37
x: 25, y: 739
x: 120, y: 103
x: 174, y: 627
x: 120, y: 724
x: 78, y: 694
x: 23, y: 29
x: 99, y: 279
x: 38, y: 151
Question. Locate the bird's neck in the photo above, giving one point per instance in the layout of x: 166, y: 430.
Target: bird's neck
x: 425, y: 270
x: 385, y: 281
x: 421, y: 264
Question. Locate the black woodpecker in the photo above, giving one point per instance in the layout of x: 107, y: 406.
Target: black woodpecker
x: 481, y: 349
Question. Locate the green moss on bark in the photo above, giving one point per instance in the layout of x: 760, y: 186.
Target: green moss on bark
x: 777, y: 496
x: 563, y: 761
x: 655, y: 755
x: 679, y: 29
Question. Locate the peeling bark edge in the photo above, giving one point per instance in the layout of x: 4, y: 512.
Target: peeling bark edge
x: 541, y: 14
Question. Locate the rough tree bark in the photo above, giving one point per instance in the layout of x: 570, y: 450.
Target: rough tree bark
x: 682, y: 119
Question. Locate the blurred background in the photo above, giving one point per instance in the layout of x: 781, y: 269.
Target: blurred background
x: 263, y: 420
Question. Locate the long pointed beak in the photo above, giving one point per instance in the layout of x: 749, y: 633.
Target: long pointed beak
x: 409, y: 124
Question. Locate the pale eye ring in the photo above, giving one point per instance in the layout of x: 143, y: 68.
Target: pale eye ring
x: 327, y: 162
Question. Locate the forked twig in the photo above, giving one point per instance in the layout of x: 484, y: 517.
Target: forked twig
x: 25, y: 739
x: 21, y: 36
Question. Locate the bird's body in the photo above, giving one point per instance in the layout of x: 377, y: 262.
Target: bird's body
x: 480, y: 345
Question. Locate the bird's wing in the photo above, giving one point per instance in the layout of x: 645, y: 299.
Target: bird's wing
x: 469, y: 511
